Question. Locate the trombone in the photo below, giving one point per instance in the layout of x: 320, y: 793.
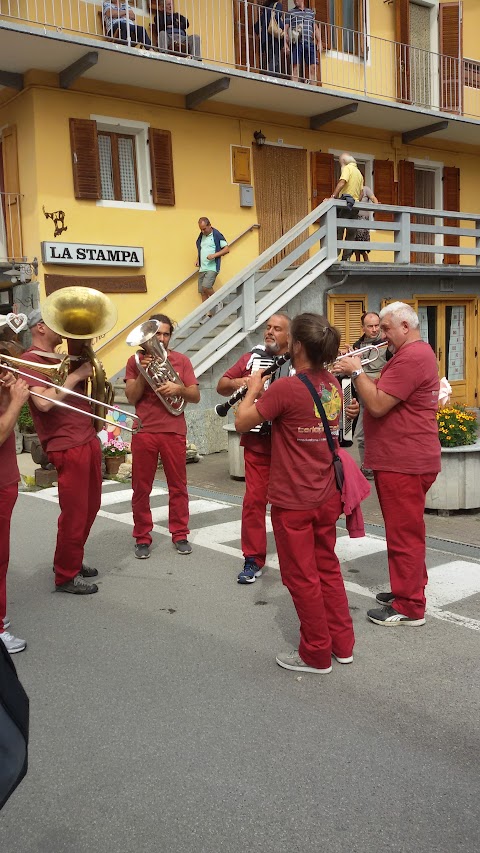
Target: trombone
x: 366, y: 350
x: 59, y: 372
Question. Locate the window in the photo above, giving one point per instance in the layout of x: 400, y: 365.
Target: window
x: 345, y: 312
x: 118, y: 167
x: 472, y: 74
x: 121, y: 163
x: 346, y: 20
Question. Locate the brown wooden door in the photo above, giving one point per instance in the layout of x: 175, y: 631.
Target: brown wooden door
x: 281, y: 194
x: 451, y: 59
x: 424, y: 197
x: 402, y: 50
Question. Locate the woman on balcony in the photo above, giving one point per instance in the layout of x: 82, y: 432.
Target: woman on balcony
x: 119, y: 23
x: 272, y: 30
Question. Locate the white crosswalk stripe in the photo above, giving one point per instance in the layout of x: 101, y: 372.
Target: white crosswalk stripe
x: 449, y: 582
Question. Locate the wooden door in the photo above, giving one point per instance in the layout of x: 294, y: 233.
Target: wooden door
x: 424, y: 197
x: 402, y: 50
x: 281, y: 194
x: 448, y: 326
x: 11, y: 199
x: 451, y: 57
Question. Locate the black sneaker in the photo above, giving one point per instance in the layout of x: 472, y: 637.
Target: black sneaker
x: 389, y: 617
x: 86, y: 571
x: 78, y: 586
x: 250, y: 572
x: 385, y: 598
x: 183, y: 546
x: 142, y: 551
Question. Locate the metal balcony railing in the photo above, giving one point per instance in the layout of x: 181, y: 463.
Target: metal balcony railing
x: 10, y: 228
x: 238, y: 34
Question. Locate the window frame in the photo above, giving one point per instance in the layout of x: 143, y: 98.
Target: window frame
x: 354, y: 57
x: 139, y: 130
x: 115, y: 158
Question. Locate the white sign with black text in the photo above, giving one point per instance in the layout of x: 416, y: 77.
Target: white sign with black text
x: 87, y: 254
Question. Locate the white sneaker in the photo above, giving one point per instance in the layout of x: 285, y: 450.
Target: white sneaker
x: 12, y: 644
x: 6, y: 623
x: 292, y: 660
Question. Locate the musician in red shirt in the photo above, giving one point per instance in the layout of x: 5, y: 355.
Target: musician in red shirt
x: 13, y: 394
x: 165, y: 434
x: 72, y: 446
x: 403, y: 450
x: 256, y: 446
x: 303, y: 493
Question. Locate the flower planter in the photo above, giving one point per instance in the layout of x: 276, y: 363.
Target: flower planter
x: 28, y: 439
x: 458, y: 484
x: 112, y: 463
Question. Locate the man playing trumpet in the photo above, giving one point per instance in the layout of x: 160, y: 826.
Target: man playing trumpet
x: 72, y: 446
x: 162, y: 433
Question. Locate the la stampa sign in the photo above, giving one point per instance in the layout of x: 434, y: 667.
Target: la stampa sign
x: 88, y: 254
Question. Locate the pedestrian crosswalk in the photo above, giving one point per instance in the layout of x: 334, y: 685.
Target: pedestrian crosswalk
x: 216, y: 524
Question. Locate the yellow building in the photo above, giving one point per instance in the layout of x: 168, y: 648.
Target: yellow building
x: 111, y: 152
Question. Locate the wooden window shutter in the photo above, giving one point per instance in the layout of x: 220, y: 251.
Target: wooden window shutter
x: 345, y: 313
x: 322, y: 170
x: 161, y: 161
x: 451, y: 59
x: 384, y: 186
x: 11, y: 187
x: 322, y: 16
x: 406, y: 183
x: 451, y: 201
x: 85, y: 158
x: 402, y: 50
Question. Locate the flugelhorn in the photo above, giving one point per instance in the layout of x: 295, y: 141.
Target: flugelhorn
x: 159, y: 370
x: 222, y: 409
x: 366, y: 349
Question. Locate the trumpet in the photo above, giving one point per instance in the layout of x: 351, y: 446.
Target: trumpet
x: 366, y: 350
x: 222, y: 409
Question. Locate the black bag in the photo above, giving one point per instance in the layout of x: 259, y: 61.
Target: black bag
x: 337, y: 462
x: 14, y: 717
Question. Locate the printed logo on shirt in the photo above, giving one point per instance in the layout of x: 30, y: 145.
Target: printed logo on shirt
x: 332, y: 404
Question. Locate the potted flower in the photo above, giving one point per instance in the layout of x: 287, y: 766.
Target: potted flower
x: 115, y: 452
x: 458, y: 484
x: 26, y: 427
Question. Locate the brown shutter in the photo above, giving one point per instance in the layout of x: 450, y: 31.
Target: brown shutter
x: 451, y: 59
x: 384, y: 186
x: 322, y: 16
x: 345, y: 314
x: 161, y: 161
x: 402, y: 51
x: 406, y: 183
x: 85, y: 158
x: 451, y: 201
x: 11, y: 187
x: 322, y: 171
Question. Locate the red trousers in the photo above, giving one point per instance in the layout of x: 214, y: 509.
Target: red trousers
x: 79, y: 495
x: 8, y: 497
x: 254, y: 532
x: 145, y: 449
x: 402, y: 501
x: 311, y: 572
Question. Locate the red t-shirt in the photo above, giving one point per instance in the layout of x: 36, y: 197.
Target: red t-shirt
x: 60, y: 428
x: 9, y: 472
x: 150, y: 409
x: 406, y: 438
x: 301, y: 470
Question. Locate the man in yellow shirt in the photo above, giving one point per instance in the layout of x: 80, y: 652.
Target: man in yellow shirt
x: 350, y: 186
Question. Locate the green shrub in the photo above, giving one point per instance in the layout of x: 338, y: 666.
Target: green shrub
x: 25, y: 421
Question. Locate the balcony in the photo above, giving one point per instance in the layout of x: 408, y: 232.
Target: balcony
x: 360, y: 78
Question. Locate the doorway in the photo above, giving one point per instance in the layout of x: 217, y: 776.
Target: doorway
x: 424, y: 197
x: 448, y: 326
x: 421, y: 71
x: 281, y: 193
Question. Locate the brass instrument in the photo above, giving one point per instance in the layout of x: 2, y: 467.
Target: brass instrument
x: 82, y: 313
x: 367, y: 350
x: 56, y: 373
x: 159, y: 370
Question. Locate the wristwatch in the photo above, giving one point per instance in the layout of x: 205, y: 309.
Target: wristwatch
x: 357, y: 373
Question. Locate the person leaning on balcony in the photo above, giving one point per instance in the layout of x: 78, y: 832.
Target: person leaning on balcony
x: 171, y: 29
x: 306, y: 40
x: 350, y: 189
x: 272, y: 32
x: 403, y: 450
x: 162, y: 433
x: 118, y: 17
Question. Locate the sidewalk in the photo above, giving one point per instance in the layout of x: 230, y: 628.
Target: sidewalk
x: 211, y: 473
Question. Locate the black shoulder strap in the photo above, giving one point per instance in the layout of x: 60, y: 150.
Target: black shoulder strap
x: 321, y: 411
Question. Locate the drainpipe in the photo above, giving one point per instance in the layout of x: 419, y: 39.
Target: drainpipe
x: 329, y: 288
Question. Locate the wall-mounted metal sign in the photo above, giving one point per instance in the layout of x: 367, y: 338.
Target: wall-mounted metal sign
x: 82, y: 254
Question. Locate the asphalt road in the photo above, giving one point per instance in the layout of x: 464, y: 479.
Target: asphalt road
x: 160, y: 721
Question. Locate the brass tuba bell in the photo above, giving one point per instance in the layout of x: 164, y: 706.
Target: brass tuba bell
x: 159, y: 370
x: 82, y: 313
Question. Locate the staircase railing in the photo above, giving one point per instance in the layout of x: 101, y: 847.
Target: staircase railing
x: 151, y: 308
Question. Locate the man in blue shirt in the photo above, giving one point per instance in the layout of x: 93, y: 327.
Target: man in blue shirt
x: 306, y: 40
x: 211, y: 247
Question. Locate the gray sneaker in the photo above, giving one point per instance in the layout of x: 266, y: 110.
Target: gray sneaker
x: 292, y: 660
x: 183, y: 546
x: 78, y: 586
x: 12, y: 644
x: 142, y: 551
x: 6, y: 623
